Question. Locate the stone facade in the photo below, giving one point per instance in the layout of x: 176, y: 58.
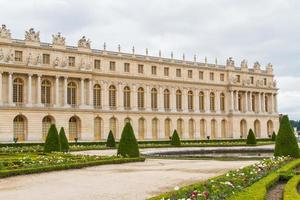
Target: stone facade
x: 89, y: 92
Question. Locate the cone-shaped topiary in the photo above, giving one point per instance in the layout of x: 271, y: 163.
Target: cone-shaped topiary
x: 110, y: 140
x: 128, y: 146
x: 251, y: 139
x: 64, y: 144
x: 273, y: 136
x: 286, y: 142
x: 175, y: 140
x: 52, y: 140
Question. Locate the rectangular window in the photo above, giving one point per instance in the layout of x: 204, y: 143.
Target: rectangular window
x: 201, y: 75
x: 238, y: 78
x: 211, y: 76
x: 190, y: 73
x: 18, y: 56
x: 178, y: 72
x: 265, y: 81
x: 166, y: 71
x: 71, y: 61
x: 112, y: 66
x: 154, y: 70
x: 46, y: 59
x: 222, y: 77
x: 140, y: 69
x: 97, y: 64
x: 126, y: 67
x: 251, y: 79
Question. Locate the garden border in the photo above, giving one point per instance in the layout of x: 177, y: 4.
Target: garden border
x: 290, y: 190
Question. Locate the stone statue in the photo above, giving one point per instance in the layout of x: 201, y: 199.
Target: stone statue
x: 4, y: 32
x: 84, y: 43
x: 29, y: 59
x: 39, y: 60
x: 1, y: 55
x: 274, y: 83
x: 230, y: 62
x: 56, y: 62
x: 256, y: 65
x: 9, y: 56
x: 58, y: 39
x: 32, y: 36
x: 244, y: 64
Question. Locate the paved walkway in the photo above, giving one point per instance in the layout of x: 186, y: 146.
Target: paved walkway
x: 108, y: 182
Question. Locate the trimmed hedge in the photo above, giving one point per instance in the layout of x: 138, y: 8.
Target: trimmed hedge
x: 111, y: 140
x: 63, y: 140
x: 290, y: 190
x: 251, y: 139
x: 128, y: 146
x: 52, y: 140
x: 175, y: 140
x: 15, y: 172
x: 273, y: 136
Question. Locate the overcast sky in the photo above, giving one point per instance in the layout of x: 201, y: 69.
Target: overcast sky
x: 256, y: 30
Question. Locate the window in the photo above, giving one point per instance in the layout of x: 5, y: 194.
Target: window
x: 178, y: 100
x: 72, y: 94
x: 112, y: 96
x: 201, y: 101
x: 18, y: 56
x: 126, y: 97
x: 265, y: 81
x: 46, y: 59
x: 238, y: 78
x: 178, y: 72
x: 251, y: 79
x: 222, y: 77
x: 154, y: 98
x: 166, y: 71
x: 140, y: 98
x: 154, y: 70
x: 201, y: 75
x: 166, y: 99
x: 239, y: 102
x: 46, y: 92
x: 97, y: 64
x: 190, y: 73
x: 266, y: 104
x: 112, y: 66
x: 222, y: 102
x: 71, y: 61
x: 97, y: 96
x: 18, y: 86
x: 253, y: 103
x: 113, y: 126
x: 211, y: 76
x: 212, y: 101
x: 190, y: 100
x: 126, y: 67
x: 140, y: 69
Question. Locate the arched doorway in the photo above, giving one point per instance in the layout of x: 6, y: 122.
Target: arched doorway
x: 74, y: 128
x: 20, y: 127
x: 270, y: 127
x: 98, y: 126
x: 243, y: 128
x: 191, y: 129
x: 46, y: 123
x: 141, y: 128
x: 154, y: 129
x: 257, y: 128
x: 202, y: 128
x: 213, y: 133
x: 167, y: 128
x: 180, y: 127
x: 224, y: 129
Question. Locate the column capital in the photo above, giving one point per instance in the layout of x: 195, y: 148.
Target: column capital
x: 39, y: 75
x: 30, y: 74
x: 57, y: 76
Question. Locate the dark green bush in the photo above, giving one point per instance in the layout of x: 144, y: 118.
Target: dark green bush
x: 175, y: 140
x: 274, y: 136
x: 52, y: 140
x: 128, y: 146
x: 286, y: 142
x: 251, y: 139
x: 110, y: 140
x: 64, y: 144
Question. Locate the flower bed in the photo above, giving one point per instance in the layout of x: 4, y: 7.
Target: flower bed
x: 228, y: 184
x: 16, y: 164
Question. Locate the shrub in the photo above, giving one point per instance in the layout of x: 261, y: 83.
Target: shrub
x: 128, y: 146
x: 64, y: 144
x: 52, y: 140
x: 274, y: 136
x: 175, y: 140
x: 286, y: 142
x: 251, y: 139
x: 111, y: 140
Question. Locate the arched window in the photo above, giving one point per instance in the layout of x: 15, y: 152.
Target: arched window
x: 202, y: 128
x: 191, y: 129
x: 201, y: 101
x: 253, y: 104
x: 167, y: 99
x: 223, y: 128
x: 126, y: 97
x: 72, y: 89
x: 270, y: 127
x: 257, y: 128
x: 20, y: 127
x: 97, y: 96
x: 180, y: 127
x: 213, y: 133
x: 243, y: 128
x: 212, y: 101
x: 113, y: 126
x: 18, y: 91
x: 266, y: 103
x: 46, y: 123
x: 141, y: 97
x: 127, y: 120
x: 154, y: 98
x: 112, y: 97
x: 74, y: 128
x: 154, y: 128
x: 178, y: 100
x: 222, y: 102
x: 141, y: 128
x: 98, y: 126
x: 190, y: 100
x: 46, y: 92
x: 167, y: 128
x: 239, y: 102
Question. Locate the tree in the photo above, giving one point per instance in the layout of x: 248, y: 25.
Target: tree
x: 273, y: 136
x: 251, y: 139
x: 286, y: 142
x: 128, y: 146
x: 52, y: 140
x: 175, y: 140
x: 111, y: 140
x: 64, y: 144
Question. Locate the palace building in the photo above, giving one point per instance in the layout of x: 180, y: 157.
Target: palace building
x: 90, y: 92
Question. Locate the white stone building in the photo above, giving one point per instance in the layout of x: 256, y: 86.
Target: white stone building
x: 89, y: 92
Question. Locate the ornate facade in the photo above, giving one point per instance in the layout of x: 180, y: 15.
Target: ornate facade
x: 89, y: 92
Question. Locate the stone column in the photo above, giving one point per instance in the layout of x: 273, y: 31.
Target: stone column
x: 160, y: 99
x: 1, y: 99
x: 246, y: 102
x: 121, y: 96
x: 259, y: 103
x: 196, y: 103
x: 105, y: 95
x: 275, y: 103
x: 237, y: 100
x: 207, y: 102
x: 173, y: 100
x: 10, y: 89
x: 91, y: 93
x: 82, y: 103
x: 56, y: 91
x: 184, y: 100
x: 231, y: 100
x: 271, y: 103
x: 133, y: 97
x: 148, y: 98
x: 29, y: 95
x: 218, y: 109
x: 250, y: 102
x: 66, y: 91
x: 39, y: 90
x: 263, y: 109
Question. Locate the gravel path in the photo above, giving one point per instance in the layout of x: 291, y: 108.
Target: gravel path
x: 125, y: 181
